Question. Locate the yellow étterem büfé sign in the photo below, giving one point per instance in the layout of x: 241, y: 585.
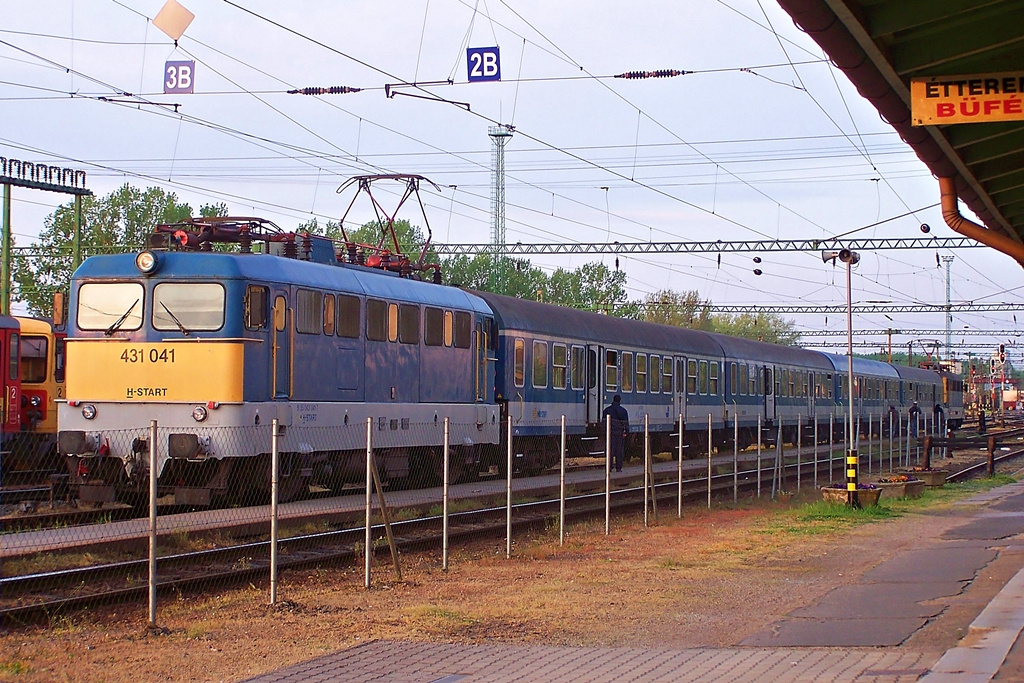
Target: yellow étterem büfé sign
x: 941, y: 100
x: 188, y: 371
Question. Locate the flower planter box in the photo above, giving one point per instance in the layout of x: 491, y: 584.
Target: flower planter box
x: 901, y: 489
x: 932, y: 478
x: 867, y: 497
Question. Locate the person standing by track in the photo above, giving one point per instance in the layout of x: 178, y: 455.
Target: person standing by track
x: 620, y: 428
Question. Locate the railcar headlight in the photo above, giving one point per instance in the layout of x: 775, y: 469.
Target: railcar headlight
x: 89, y: 411
x: 146, y: 262
x: 36, y: 401
x: 200, y: 413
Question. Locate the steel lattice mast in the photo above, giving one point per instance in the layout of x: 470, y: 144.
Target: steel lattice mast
x: 499, y: 138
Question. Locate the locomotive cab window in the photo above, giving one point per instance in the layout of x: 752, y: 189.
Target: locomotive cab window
x: 329, y: 314
x: 463, y: 330
x: 256, y: 299
x: 188, y: 306
x: 409, y: 324
x: 33, y: 359
x: 110, y: 306
x: 433, y: 326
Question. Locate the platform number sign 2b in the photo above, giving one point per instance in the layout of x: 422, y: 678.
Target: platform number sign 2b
x: 179, y: 77
x: 483, y: 64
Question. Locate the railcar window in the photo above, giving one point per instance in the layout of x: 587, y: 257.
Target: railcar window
x: 463, y: 326
x: 519, y: 363
x: 280, y: 313
x: 591, y: 368
x: 33, y: 359
x: 308, y: 308
x: 256, y: 299
x: 449, y: 328
x: 195, y: 305
x: 828, y: 379
x: 409, y: 324
x: 655, y: 374
x: 691, y: 377
x: 627, y: 371
x: 110, y: 306
x: 58, y: 359
x: 641, y: 372
x: 734, y: 379
x: 433, y: 326
x: 666, y: 376
x: 743, y: 379
x: 702, y: 378
x: 329, y: 314
x: 348, y: 316
x: 713, y: 378
x: 12, y: 365
x: 559, y: 362
x: 792, y: 383
x: 540, y: 364
x: 764, y: 382
x: 611, y: 370
x: 376, y: 320
x: 578, y: 367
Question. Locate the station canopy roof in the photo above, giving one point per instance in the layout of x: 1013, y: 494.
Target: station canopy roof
x: 882, y: 44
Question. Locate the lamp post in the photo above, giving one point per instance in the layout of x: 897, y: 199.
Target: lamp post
x: 852, y: 460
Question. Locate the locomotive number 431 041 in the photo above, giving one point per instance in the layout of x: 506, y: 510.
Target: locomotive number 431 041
x: 151, y: 356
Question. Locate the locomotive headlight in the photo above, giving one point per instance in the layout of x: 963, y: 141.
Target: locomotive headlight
x: 36, y: 401
x: 89, y: 411
x: 200, y: 413
x: 146, y: 262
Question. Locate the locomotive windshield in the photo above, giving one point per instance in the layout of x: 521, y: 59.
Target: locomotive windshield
x: 110, y: 306
x: 188, y: 306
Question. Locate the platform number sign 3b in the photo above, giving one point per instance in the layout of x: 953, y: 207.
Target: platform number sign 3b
x: 483, y: 64
x: 179, y: 77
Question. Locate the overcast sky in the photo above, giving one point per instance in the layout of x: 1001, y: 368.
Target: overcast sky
x: 764, y: 140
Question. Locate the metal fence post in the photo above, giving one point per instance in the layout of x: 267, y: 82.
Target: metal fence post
x: 815, y: 449
x: 831, y: 443
x: 758, y: 456
x: 869, y: 442
x: 152, y: 523
x: 368, y: 539
x: 709, y: 461
x: 890, y: 441
x: 607, y: 474
x: 508, y: 494
x: 648, y: 477
x: 680, y: 495
x: 444, y: 498
x: 275, y: 470
x: 799, y: 448
x: 561, y: 489
x: 735, y: 455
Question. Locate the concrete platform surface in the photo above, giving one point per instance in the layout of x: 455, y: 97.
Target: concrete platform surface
x: 819, y: 642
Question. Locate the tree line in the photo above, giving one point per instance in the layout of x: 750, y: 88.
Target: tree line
x: 120, y: 221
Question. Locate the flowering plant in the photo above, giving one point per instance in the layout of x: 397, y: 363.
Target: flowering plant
x: 896, y: 479
x: 860, y: 486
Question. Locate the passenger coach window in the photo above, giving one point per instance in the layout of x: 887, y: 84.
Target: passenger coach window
x: 256, y: 307
x: 376, y: 320
x: 409, y: 324
x: 641, y: 372
x: 713, y: 378
x: 308, y: 305
x: 578, y: 367
x: 463, y: 328
x: 348, y: 316
x: 519, y: 363
x: 733, y: 379
x: 329, y: 314
x: 627, y: 371
x: 611, y: 370
x: 666, y: 377
x: 110, y: 306
x: 193, y: 306
x: 655, y: 374
x: 702, y: 377
x: 433, y: 326
x: 691, y: 377
x: 540, y: 364
x: 33, y: 359
x: 743, y: 379
x: 559, y: 362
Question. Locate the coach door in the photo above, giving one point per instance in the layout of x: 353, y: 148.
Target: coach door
x: 679, y: 399
x: 282, y: 347
x: 594, y: 403
x: 768, y: 377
